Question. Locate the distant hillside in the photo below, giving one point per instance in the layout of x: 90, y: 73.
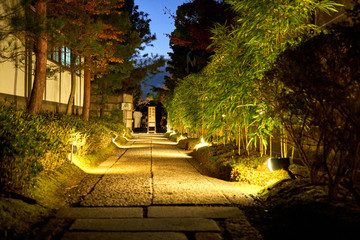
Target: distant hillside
x: 156, y: 81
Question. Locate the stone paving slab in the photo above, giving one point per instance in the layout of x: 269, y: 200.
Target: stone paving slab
x: 146, y: 224
x: 124, y: 236
x: 193, y: 212
x: 100, y: 212
x: 208, y: 236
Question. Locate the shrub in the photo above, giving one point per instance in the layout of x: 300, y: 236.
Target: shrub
x: 222, y: 161
x: 315, y: 90
x: 32, y: 144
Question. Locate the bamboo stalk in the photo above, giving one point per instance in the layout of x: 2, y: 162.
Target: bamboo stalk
x: 239, y: 147
x: 270, y: 142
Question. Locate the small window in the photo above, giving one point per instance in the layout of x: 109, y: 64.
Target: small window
x: 54, y: 55
x: 65, y: 56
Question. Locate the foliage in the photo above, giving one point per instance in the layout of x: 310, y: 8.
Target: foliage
x: 223, y: 161
x: 32, y: 144
x: 237, y: 98
x: 223, y: 102
x: 192, y: 36
x: 127, y: 77
x: 194, y: 20
x: 314, y: 88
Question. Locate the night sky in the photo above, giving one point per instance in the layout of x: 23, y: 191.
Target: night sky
x: 161, y: 24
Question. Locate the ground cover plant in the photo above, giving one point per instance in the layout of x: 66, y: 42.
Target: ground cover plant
x: 35, y: 162
x: 249, y: 169
x: 223, y: 161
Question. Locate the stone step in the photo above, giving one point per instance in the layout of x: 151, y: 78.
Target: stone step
x: 100, y: 212
x: 146, y: 225
x: 194, y: 212
x: 124, y: 236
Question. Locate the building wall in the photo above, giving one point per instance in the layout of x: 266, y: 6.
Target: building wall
x: 12, y: 79
x: 14, y: 86
x: 14, y: 83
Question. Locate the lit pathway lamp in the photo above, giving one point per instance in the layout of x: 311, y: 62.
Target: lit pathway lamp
x: 73, y: 150
x: 281, y: 163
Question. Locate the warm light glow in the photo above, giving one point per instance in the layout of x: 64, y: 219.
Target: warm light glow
x: 114, y: 142
x: 80, y: 163
x: 281, y: 163
x: 161, y: 154
x: 181, y: 138
x: 248, y: 188
x: 269, y: 165
x: 201, y: 144
x: 173, y: 133
x: 124, y: 136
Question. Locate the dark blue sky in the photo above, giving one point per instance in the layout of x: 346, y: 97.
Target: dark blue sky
x: 161, y: 24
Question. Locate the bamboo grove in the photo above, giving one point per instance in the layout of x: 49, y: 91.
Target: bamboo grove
x: 230, y: 100
x: 224, y: 101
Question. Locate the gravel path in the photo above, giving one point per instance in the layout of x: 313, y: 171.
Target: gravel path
x: 150, y: 190
x: 151, y: 170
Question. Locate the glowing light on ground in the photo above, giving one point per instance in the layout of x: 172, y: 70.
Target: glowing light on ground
x: 201, y: 144
x: 248, y: 188
x: 124, y: 136
x: 269, y: 164
x: 181, y: 138
x: 80, y: 163
x: 161, y: 154
x: 114, y: 142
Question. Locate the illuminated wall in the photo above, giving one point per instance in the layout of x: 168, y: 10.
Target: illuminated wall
x: 17, y: 76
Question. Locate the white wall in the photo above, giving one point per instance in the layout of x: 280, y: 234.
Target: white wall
x: 12, y: 79
x: 58, y: 87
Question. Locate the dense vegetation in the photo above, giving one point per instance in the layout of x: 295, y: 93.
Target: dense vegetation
x: 275, y: 76
x: 32, y: 145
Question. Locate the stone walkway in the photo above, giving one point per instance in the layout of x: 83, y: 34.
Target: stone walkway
x: 149, y: 190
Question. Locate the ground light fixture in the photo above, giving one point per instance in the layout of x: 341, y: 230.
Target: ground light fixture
x: 201, y: 144
x: 73, y: 150
x: 281, y: 163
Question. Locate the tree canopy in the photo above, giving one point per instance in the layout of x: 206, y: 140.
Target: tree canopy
x: 108, y: 34
x: 192, y: 36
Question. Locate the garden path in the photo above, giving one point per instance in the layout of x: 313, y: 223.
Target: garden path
x: 150, y: 190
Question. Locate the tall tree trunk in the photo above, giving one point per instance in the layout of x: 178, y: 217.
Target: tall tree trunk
x: 37, y: 92
x: 70, y: 105
x: 87, y: 80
